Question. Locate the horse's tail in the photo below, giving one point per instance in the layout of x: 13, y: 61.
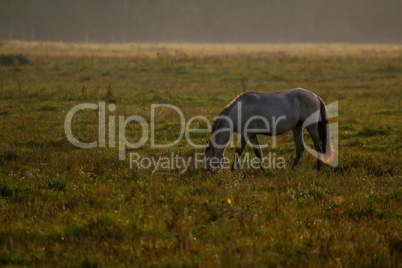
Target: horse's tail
x: 323, y: 131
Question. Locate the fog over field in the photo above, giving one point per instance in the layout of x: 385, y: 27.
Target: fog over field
x: 207, y: 21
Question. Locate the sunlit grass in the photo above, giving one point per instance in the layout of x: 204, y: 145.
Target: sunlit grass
x: 180, y: 50
x: 65, y: 206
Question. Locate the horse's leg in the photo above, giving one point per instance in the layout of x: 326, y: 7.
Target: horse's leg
x: 298, y: 138
x: 257, y: 150
x: 313, y: 131
x: 239, y: 150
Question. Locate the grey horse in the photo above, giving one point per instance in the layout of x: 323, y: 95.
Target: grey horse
x: 272, y: 114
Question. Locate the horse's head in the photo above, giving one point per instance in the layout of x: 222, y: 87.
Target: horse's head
x: 213, y: 157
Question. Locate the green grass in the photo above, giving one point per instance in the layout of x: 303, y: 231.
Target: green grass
x: 65, y: 206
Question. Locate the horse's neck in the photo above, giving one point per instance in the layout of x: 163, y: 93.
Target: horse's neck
x: 222, y: 137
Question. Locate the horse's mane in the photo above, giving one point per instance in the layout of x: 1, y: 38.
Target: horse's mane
x: 225, y: 112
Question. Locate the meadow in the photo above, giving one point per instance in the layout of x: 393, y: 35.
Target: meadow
x: 63, y: 206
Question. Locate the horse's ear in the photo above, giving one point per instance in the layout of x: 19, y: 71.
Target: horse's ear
x: 207, y: 141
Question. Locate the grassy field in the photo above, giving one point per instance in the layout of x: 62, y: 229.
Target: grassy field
x: 65, y: 206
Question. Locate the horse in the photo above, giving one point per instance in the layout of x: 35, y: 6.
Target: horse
x: 272, y: 114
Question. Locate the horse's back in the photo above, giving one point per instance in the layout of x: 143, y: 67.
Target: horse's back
x: 299, y: 93
x: 289, y: 99
x: 295, y: 105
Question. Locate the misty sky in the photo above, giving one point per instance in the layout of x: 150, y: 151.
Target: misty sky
x: 228, y: 21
